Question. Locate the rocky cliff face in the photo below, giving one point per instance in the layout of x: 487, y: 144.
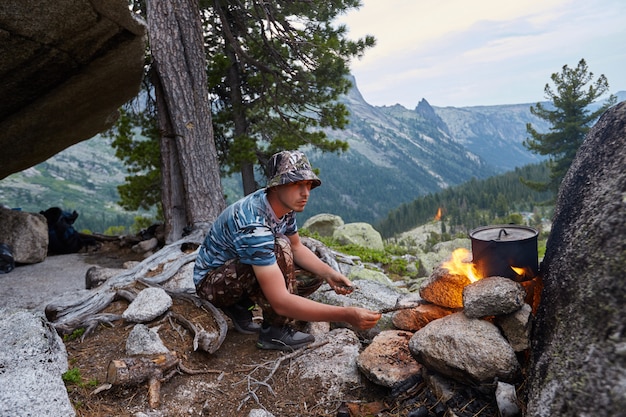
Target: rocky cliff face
x: 579, y: 365
x: 66, y: 67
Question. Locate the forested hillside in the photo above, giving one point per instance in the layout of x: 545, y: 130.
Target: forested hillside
x: 398, y: 162
x: 84, y: 178
x: 498, y: 199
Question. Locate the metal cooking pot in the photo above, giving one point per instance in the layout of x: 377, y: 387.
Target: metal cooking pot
x: 497, y: 248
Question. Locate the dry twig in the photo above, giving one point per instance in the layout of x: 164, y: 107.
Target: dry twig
x: 254, y: 384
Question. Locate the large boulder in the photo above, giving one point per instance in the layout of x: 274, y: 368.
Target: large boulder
x: 361, y: 234
x: 26, y: 234
x: 32, y: 362
x: 578, y: 364
x: 465, y: 349
x: 66, y: 67
x: 323, y: 224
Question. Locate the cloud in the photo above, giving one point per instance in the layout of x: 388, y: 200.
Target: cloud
x: 455, y: 52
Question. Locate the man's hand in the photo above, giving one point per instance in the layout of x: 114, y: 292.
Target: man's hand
x: 339, y: 283
x: 365, y: 319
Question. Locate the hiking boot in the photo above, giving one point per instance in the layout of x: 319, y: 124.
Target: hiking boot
x: 242, y: 318
x: 283, y: 338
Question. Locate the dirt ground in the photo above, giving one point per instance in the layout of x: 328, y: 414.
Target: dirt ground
x: 231, y: 382
x: 236, y: 379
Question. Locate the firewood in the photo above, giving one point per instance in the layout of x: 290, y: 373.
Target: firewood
x: 155, y: 369
x: 137, y: 370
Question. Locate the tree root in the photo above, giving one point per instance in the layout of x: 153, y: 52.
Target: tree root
x: 82, y: 311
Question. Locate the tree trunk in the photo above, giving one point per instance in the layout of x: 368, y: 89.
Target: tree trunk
x: 240, y: 122
x: 247, y: 178
x: 192, y: 191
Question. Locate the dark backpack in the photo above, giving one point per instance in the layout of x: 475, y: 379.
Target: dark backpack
x: 62, y: 237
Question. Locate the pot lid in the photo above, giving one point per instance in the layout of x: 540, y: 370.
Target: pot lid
x: 505, y: 233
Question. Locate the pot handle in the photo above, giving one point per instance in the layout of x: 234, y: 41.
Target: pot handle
x: 500, y: 233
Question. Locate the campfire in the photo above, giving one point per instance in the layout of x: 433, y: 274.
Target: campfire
x: 475, y: 316
x: 460, y: 263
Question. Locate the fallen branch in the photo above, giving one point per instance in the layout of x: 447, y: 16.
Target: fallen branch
x: 396, y: 308
x: 99, y: 237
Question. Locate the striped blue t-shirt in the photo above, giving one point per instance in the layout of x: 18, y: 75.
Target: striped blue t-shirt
x: 244, y: 231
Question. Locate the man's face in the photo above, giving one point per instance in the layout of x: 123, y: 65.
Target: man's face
x: 295, y: 195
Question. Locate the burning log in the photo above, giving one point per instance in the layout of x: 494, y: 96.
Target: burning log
x: 533, y: 289
x: 444, y: 288
x: 413, y: 318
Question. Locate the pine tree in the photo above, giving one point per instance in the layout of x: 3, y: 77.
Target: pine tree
x: 571, y: 119
x: 276, y: 70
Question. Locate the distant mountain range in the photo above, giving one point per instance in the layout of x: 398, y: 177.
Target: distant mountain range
x: 395, y: 156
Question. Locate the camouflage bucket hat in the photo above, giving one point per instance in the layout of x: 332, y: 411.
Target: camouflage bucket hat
x: 290, y: 166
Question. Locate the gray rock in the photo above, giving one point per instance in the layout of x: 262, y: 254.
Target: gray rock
x: 492, y: 296
x: 26, y: 234
x: 516, y: 327
x: 148, y: 305
x: 144, y: 341
x: 182, y: 280
x: 33, y: 286
x: 368, y: 294
x: 506, y: 398
x: 258, y: 412
x: 333, y: 364
x: 575, y: 365
x: 323, y: 224
x: 362, y: 234
x: 361, y: 273
x: 464, y: 349
x: 78, y: 61
x: 32, y: 362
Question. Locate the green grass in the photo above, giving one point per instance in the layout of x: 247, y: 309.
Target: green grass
x: 73, y: 377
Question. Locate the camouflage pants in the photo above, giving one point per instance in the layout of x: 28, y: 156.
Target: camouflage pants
x: 235, y: 283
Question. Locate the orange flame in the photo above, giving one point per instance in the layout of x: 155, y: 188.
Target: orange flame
x: 523, y: 272
x: 438, y: 215
x: 459, y: 265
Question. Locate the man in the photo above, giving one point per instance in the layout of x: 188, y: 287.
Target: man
x: 253, y: 255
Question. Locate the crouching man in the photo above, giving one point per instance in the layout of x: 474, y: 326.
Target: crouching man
x: 253, y: 255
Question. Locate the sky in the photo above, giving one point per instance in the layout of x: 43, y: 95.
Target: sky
x: 482, y: 52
